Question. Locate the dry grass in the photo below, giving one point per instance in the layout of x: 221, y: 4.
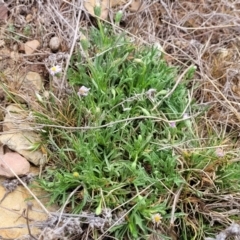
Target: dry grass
x: 206, y: 34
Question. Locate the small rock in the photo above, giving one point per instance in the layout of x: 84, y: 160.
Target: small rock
x: 20, y: 141
x: 54, y: 44
x: 31, y: 46
x: 16, y: 162
x: 29, y: 18
x: 34, y: 81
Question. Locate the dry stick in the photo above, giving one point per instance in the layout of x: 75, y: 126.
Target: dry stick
x: 174, y: 206
x: 29, y: 207
x: 19, y: 179
x: 71, y: 51
x: 129, y: 200
x: 40, y: 126
x: 104, y: 125
x: 65, y: 204
x: 12, y: 211
x: 5, y: 195
x: 200, y: 28
x: 174, y: 87
x: 89, y: 128
x: 109, y: 124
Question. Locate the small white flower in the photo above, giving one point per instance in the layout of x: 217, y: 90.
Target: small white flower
x: 55, y: 70
x: 172, y: 124
x: 83, y: 91
x: 219, y: 152
x: 185, y: 116
x: 156, y: 219
x: 151, y: 93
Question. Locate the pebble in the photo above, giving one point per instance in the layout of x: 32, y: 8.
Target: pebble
x: 54, y: 44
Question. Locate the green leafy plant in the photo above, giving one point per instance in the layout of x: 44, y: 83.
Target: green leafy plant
x: 27, y: 30
x: 122, y: 137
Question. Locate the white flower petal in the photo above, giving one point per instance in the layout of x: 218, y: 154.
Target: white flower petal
x: 54, y: 70
x: 83, y: 91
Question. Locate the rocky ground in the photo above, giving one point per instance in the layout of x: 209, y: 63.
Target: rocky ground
x: 36, y: 35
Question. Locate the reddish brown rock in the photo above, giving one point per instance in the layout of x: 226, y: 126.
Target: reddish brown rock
x: 16, y: 162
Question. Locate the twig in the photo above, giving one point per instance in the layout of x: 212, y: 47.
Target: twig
x: 7, y: 209
x: 29, y: 207
x: 129, y: 200
x: 111, y: 123
x: 5, y: 195
x: 71, y: 50
x: 201, y: 28
x: 65, y: 204
x: 174, y: 206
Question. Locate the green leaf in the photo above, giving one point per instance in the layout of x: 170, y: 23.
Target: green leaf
x: 99, y: 208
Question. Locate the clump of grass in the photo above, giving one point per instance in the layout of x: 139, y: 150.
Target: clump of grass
x: 124, y: 143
